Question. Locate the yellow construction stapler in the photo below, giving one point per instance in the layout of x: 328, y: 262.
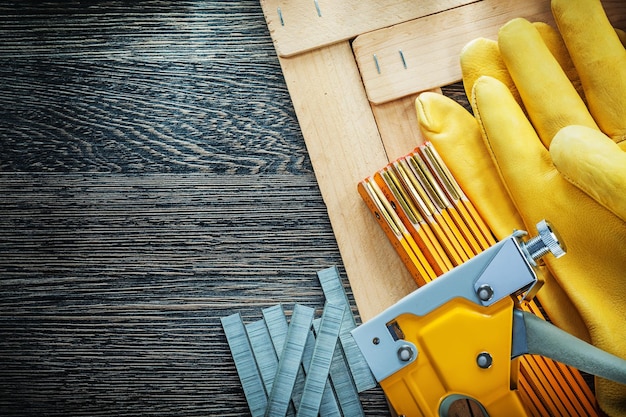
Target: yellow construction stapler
x: 459, y: 336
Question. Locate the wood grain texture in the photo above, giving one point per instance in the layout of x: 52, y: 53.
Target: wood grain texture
x: 153, y: 87
x: 153, y: 178
x: 113, y: 286
x: 398, y: 127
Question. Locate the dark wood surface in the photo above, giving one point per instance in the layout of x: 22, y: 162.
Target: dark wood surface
x: 153, y: 178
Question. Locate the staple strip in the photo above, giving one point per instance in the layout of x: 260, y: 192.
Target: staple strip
x: 264, y: 353
x: 290, y: 360
x: 329, y: 406
x: 342, y: 381
x: 318, y: 369
x: 363, y: 377
x: 335, y: 294
x: 249, y: 375
x: 278, y: 327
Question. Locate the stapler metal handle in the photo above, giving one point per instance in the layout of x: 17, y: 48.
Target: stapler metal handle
x: 536, y: 336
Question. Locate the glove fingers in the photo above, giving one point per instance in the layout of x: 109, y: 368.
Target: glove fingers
x: 482, y: 57
x: 594, y: 163
x: 456, y: 136
x: 599, y: 58
x: 549, y: 97
x: 522, y: 160
x: 592, y: 272
x: 553, y: 40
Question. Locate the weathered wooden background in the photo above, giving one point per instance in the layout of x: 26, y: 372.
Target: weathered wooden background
x: 153, y: 179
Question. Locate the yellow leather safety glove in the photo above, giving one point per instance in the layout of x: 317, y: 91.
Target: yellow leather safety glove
x: 458, y: 139
x: 586, y: 200
x: 443, y: 122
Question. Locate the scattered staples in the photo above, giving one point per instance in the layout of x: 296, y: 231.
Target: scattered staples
x: 299, y: 365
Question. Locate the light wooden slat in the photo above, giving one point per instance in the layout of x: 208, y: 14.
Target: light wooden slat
x: 298, y: 26
x: 431, y: 45
x: 344, y: 145
x: 397, y: 124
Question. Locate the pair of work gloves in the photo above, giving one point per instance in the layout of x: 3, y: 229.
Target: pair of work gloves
x: 548, y: 140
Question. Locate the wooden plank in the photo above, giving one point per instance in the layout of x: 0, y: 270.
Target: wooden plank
x: 397, y: 124
x: 430, y: 58
x: 344, y: 145
x: 160, y: 90
x: 154, y: 179
x: 298, y: 26
x: 113, y: 285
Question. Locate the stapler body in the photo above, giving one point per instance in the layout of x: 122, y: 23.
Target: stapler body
x: 459, y: 337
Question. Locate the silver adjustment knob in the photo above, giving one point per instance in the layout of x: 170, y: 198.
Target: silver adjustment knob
x: 547, y: 241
